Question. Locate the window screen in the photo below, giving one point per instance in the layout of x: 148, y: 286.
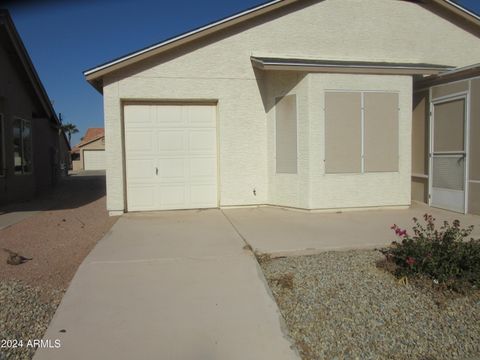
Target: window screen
x: 343, y: 132
x: 381, y: 131
x: 286, y: 134
x: 448, y: 129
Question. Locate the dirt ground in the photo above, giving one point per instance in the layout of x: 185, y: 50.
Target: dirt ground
x: 58, y: 238
x: 66, y: 225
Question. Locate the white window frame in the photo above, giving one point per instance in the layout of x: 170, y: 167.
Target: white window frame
x: 362, y: 128
x: 22, y: 121
x: 463, y: 95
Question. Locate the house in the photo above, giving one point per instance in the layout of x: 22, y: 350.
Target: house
x: 89, y: 154
x: 34, y: 150
x: 309, y: 104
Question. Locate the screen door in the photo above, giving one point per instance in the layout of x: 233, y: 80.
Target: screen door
x: 448, y: 155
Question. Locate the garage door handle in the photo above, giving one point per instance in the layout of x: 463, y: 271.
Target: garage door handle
x: 156, y: 171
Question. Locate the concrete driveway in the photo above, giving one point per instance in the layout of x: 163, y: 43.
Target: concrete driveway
x: 170, y: 285
x: 280, y: 231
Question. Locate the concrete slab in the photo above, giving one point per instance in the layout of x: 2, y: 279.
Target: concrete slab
x: 169, y: 234
x: 11, y: 218
x: 182, y: 288
x: 280, y: 231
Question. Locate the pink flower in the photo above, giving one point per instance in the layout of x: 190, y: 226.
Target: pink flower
x: 410, y: 261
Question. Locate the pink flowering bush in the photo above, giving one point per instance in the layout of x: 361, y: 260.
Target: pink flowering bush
x: 444, y: 254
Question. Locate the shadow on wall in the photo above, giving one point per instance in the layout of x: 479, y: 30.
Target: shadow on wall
x: 71, y: 192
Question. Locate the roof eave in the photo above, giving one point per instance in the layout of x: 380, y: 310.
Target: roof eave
x: 352, y: 68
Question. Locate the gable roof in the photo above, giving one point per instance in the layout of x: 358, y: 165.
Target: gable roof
x: 94, y: 75
x: 7, y: 24
x: 91, y: 135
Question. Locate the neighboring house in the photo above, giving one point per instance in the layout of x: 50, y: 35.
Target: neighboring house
x: 304, y: 104
x: 89, y: 154
x: 34, y: 152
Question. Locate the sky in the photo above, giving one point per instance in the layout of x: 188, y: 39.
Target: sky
x: 66, y: 37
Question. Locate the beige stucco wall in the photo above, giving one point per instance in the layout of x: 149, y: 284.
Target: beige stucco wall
x: 77, y: 165
x: 219, y: 69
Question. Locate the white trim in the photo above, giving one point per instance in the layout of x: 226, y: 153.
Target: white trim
x: 461, y: 8
x: 465, y: 95
x: 362, y: 132
x: 474, y: 181
x: 362, y: 129
x: 430, y: 146
x: 180, y: 37
x: 467, y: 143
x: 450, y: 97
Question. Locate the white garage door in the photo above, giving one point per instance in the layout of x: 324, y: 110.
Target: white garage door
x: 171, y: 156
x: 94, y: 159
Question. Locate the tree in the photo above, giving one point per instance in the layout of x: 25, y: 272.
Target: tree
x: 69, y: 129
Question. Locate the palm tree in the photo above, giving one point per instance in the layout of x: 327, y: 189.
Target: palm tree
x: 69, y: 129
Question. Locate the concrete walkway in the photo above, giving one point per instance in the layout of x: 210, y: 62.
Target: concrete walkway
x: 11, y: 218
x: 280, y: 231
x: 171, y: 285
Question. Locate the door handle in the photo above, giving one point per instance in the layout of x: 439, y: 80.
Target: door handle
x: 156, y: 171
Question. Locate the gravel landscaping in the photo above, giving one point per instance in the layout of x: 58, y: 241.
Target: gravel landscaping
x: 25, y: 314
x: 71, y: 221
x: 339, y: 305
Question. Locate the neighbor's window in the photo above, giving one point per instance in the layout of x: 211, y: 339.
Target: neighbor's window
x: 286, y: 134
x: 22, y: 146
x: 361, y: 132
x: 2, y: 146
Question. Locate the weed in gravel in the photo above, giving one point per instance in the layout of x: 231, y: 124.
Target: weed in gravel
x: 263, y: 258
x: 285, y: 281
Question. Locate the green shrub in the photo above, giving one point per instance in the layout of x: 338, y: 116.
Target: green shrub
x: 445, y: 255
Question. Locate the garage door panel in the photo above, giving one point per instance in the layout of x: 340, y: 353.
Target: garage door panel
x: 94, y: 160
x: 202, y: 141
x: 203, y: 168
x: 139, y: 141
x: 173, y: 196
x: 171, y: 141
x: 169, y: 116
x: 181, y: 142
x: 200, y: 116
x: 142, y: 196
x: 172, y: 169
x: 139, y: 116
x: 141, y: 169
x: 202, y: 195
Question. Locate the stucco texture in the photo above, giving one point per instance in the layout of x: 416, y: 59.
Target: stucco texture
x: 218, y: 68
